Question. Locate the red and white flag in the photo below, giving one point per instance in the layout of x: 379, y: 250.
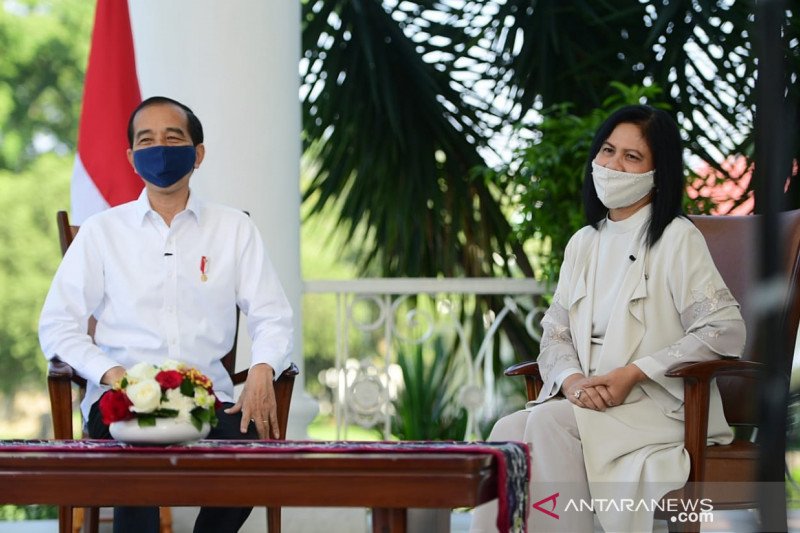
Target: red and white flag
x: 102, y: 176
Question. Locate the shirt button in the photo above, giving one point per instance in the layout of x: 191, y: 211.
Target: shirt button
x: 173, y: 342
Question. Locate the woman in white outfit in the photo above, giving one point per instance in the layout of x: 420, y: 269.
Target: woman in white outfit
x: 638, y: 293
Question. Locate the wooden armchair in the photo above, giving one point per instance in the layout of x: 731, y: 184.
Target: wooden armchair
x: 61, y: 378
x: 724, y: 471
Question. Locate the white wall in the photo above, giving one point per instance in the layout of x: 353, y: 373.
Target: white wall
x: 235, y: 63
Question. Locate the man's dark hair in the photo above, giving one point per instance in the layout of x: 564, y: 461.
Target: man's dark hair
x: 195, y: 128
x: 662, y: 136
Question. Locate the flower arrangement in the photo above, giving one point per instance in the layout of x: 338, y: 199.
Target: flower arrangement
x: 173, y: 390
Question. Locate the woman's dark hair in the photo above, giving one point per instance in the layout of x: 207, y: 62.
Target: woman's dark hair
x: 195, y: 128
x: 664, y: 140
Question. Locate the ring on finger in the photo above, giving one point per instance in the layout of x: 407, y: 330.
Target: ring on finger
x: 577, y: 394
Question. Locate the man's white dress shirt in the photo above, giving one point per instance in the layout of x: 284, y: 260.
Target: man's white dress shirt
x: 161, y: 292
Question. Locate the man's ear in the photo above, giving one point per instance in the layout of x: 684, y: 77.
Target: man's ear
x: 129, y: 153
x: 200, y: 150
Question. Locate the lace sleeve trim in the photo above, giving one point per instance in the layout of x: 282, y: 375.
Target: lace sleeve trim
x: 555, y: 326
x: 723, y: 338
x: 556, y: 346
x: 548, y: 365
x: 706, y: 302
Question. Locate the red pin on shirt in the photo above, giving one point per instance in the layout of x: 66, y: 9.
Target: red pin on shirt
x: 203, y: 268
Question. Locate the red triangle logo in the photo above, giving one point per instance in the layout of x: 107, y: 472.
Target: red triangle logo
x: 552, y: 498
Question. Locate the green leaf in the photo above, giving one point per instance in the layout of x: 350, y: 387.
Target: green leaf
x: 201, y: 414
x: 196, y: 422
x: 147, y: 420
x: 187, y: 388
x: 165, y: 413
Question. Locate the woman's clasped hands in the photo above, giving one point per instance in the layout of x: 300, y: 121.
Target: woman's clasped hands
x: 604, y: 390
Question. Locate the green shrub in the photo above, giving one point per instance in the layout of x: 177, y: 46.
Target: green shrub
x: 427, y: 407
x: 18, y: 513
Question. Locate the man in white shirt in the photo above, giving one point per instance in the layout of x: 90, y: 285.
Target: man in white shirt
x: 163, y: 276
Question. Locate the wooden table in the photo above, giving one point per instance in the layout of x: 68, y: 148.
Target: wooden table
x: 388, y: 482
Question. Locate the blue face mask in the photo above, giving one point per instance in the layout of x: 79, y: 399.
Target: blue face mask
x: 164, y: 165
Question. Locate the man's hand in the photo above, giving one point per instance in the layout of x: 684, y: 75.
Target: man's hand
x: 617, y: 384
x: 257, y: 402
x: 112, y: 375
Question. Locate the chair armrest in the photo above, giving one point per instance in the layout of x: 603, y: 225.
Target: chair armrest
x: 696, y: 395
x: 525, y: 368
x: 533, y: 379
x: 241, y: 376
x: 283, y: 396
x: 708, y: 370
x: 60, y: 371
x: 60, y: 377
x: 292, y: 371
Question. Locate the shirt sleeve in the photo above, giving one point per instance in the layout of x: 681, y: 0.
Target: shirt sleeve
x: 558, y: 358
x: 261, y: 298
x: 709, y: 313
x: 75, y: 294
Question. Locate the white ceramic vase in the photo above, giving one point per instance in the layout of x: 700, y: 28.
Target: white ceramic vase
x: 166, y: 431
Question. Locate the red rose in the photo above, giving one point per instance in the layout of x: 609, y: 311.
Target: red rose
x: 169, y: 379
x: 115, y: 406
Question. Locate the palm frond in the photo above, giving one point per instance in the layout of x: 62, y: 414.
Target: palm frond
x: 397, y: 141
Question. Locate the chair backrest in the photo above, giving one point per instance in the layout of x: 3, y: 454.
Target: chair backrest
x: 283, y: 385
x: 734, y: 243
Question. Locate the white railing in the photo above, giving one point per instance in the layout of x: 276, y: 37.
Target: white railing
x: 376, y: 318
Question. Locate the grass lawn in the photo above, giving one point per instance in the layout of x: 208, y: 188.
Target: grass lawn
x: 324, y: 428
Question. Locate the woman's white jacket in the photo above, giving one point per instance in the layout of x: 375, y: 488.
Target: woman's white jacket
x: 673, y: 307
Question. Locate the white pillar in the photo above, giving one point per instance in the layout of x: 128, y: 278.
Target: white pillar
x: 236, y: 65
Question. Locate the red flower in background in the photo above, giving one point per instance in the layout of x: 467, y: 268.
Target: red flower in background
x: 169, y: 379
x: 729, y: 196
x: 115, y: 406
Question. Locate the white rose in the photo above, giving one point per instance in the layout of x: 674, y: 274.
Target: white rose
x: 141, y: 372
x: 177, y: 401
x: 145, y: 395
x: 172, y: 364
x: 203, y: 399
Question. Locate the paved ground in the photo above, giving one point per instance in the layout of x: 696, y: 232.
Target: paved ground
x: 357, y: 521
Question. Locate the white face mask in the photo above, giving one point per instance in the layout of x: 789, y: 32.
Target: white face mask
x: 620, y: 189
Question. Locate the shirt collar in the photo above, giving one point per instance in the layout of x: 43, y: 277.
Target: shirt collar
x: 633, y: 222
x: 194, y: 205
x: 143, y: 207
